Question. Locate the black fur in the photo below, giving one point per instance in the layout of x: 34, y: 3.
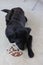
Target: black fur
x: 16, y: 30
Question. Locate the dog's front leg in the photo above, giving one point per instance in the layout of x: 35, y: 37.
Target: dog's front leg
x: 29, y: 46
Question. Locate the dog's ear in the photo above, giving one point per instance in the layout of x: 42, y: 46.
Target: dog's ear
x: 5, y: 10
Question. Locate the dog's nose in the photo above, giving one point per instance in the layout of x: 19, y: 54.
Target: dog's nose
x: 11, y: 40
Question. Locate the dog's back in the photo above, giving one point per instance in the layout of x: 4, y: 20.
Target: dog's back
x: 17, y: 19
x: 15, y: 15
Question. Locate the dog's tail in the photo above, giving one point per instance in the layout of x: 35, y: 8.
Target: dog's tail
x: 5, y: 10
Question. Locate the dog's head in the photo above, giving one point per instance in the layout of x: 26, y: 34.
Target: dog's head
x: 21, y: 37
x: 12, y: 13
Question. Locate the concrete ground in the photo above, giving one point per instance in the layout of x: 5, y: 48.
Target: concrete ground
x: 35, y: 21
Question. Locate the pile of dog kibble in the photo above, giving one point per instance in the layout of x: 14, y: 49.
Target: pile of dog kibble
x: 14, y: 52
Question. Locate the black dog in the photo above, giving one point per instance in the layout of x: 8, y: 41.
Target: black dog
x: 16, y: 30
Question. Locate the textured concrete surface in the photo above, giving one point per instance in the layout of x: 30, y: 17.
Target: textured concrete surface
x: 35, y: 21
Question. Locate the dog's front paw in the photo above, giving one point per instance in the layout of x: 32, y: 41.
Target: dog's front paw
x: 31, y: 54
